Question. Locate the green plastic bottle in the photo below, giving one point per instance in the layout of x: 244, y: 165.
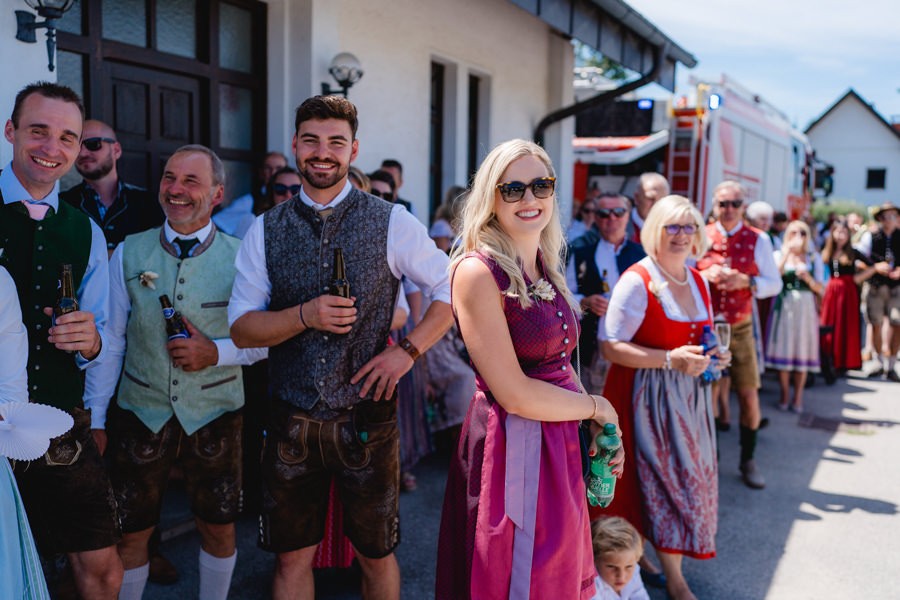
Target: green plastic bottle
x: 601, y: 485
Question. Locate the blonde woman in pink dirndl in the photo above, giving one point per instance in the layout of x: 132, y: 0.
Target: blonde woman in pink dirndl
x: 515, y: 520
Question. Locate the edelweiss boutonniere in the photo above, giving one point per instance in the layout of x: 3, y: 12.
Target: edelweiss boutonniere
x: 146, y: 278
x: 657, y: 288
x: 542, y: 290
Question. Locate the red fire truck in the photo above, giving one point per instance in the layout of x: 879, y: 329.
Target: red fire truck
x: 729, y: 133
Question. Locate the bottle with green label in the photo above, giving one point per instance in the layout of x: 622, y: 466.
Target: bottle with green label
x: 601, y: 484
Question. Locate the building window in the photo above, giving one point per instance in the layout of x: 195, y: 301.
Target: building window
x: 875, y: 179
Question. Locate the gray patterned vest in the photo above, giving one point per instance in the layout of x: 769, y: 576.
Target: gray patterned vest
x: 299, y: 248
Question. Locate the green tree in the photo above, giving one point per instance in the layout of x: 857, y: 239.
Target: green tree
x: 585, y: 56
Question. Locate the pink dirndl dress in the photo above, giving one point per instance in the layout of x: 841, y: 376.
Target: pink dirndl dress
x: 515, y: 520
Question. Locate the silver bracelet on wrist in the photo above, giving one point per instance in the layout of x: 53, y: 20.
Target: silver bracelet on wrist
x: 668, y: 364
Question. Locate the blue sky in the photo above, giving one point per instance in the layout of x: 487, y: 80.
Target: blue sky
x: 800, y: 55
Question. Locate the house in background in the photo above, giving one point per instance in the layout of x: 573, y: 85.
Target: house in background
x: 443, y: 82
x: 862, y: 147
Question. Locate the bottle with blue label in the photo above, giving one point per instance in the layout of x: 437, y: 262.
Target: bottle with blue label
x: 601, y: 484
x: 710, y: 343
x: 175, y: 327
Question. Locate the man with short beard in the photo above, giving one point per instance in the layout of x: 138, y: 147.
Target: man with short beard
x: 119, y: 208
x: 333, y: 378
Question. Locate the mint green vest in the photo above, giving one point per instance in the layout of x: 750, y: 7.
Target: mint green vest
x: 199, y: 288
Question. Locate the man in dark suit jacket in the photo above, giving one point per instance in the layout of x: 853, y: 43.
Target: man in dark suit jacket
x: 599, y: 257
x: 119, y: 208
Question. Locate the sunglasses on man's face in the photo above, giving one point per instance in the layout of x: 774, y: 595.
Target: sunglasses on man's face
x: 95, y: 143
x: 282, y: 190
x: 730, y: 203
x: 389, y: 196
x: 675, y: 228
x: 513, y: 191
x: 604, y: 213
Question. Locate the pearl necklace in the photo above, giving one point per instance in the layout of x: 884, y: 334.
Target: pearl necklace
x: 670, y: 276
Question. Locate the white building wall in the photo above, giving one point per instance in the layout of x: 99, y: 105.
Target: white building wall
x: 396, y: 42
x: 854, y: 140
x: 23, y: 64
x: 527, y: 68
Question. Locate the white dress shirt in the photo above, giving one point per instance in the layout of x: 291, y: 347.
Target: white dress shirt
x: 768, y: 282
x: 120, y: 309
x: 605, y: 258
x: 235, y: 218
x: 410, y: 252
x: 14, y: 341
x: 628, y: 305
x: 633, y: 590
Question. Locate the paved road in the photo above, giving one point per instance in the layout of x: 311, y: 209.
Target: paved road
x: 825, y: 527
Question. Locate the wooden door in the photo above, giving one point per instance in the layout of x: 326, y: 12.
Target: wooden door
x: 153, y: 114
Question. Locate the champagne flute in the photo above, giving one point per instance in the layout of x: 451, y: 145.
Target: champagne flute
x: 723, y: 332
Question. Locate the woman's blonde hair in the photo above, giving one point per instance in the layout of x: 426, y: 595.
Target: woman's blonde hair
x: 807, y: 238
x: 482, y: 232
x: 663, y: 212
x: 615, y: 534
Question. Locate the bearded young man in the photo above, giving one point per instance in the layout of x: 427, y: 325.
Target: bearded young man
x: 117, y: 207
x: 333, y: 378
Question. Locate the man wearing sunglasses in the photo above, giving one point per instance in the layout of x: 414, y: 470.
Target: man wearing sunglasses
x: 382, y: 184
x: 740, y: 266
x: 235, y: 217
x: 597, y: 259
x: 119, y: 208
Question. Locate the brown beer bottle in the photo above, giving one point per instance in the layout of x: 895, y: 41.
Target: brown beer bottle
x: 175, y: 327
x: 339, y: 284
x: 65, y: 299
x: 604, y: 286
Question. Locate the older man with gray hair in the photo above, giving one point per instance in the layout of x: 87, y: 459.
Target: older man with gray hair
x: 740, y: 266
x: 760, y: 214
x: 650, y: 188
x: 180, y: 395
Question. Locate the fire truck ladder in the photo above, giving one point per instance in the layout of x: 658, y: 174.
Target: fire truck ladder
x: 682, y: 159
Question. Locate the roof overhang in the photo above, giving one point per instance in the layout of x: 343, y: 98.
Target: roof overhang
x: 615, y: 30
x: 617, y: 150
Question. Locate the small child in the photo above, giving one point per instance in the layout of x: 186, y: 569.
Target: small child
x: 617, y: 549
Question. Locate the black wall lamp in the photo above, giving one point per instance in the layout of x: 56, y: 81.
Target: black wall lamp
x: 346, y: 70
x: 52, y: 11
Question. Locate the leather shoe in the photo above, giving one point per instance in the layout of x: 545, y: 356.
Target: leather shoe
x: 892, y: 375
x: 751, y: 475
x: 162, y: 571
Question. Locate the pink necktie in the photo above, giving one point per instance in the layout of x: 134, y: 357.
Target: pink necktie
x: 36, y: 210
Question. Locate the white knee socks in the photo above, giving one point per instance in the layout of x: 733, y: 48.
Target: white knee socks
x: 215, y: 575
x: 133, y: 583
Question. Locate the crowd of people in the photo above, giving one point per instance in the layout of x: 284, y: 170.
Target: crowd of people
x: 298, y: 351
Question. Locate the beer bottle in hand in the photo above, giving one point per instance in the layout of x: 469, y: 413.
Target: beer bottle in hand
x: 175, y: 327
x: 339, y: 284
x: 604, y: 286
x: 65, y: 299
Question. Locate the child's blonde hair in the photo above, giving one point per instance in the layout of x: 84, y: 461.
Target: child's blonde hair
x: 615, y: 534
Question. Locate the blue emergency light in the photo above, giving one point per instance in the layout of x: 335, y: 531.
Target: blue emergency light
x: 645, y: 104
x: 715, y: 101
